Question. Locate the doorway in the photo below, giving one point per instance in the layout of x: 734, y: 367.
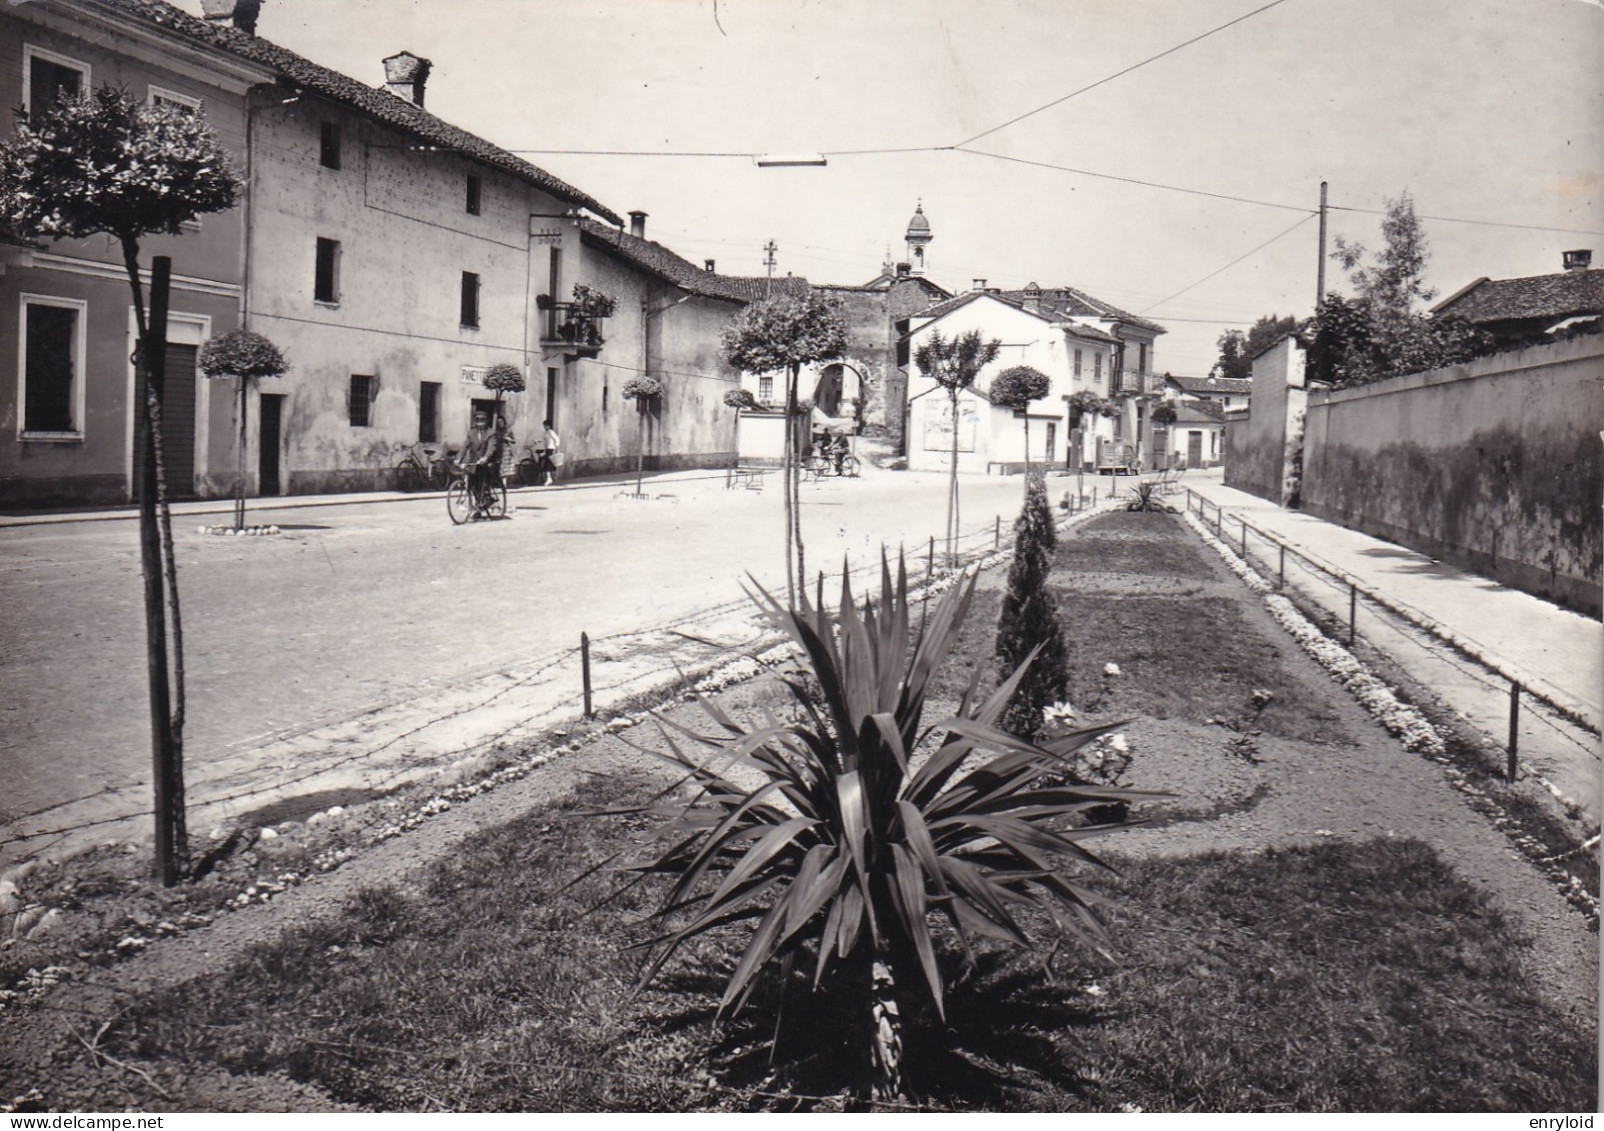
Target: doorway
x: 178, y: 420
x: 267, y: 468
x: 1194, y: 448
x: 1052, y: 440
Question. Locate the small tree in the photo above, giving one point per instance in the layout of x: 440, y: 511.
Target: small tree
x: 954, y: 363
x: 641, y: 390
x: 1164, y: 413
x: 782, y: 334
x: 739, y: 400
x: 1015, y: 388
x: 1028, y: 625
x: 112, y: 165
x: 502, y: 378
x: 248, y: 358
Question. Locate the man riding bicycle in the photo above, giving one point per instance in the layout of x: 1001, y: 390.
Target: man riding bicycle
x: 481, y: 452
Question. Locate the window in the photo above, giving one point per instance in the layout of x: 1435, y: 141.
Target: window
x: 1077, y: 363
x: 470, y: 299
x: 160, y: 96
x: 475, y: 189
x: 329, y: 146
x: 327, y: 285
x: 51, y: 77
x: 429, y: 412
x: 1097, y: 369
x: 52, y: 366
x: 361, y: 399
x: 1141, y: 358
x: 765, y: 389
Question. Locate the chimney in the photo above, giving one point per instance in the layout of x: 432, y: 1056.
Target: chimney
x: 405, y: 74
x: 707, y: 265
x: 637, y: 225
x: 904, y: 270
x: 1579, y: 260
x: 1033, y: 298
x: 241, y: 13
x: 980, y: 285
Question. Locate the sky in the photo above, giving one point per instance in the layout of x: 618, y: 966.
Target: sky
x: 1183, y: 189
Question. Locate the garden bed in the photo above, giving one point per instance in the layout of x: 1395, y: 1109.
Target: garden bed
x: 1317, y: 922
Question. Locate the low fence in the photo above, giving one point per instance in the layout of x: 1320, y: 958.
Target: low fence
x: 1273, y: 557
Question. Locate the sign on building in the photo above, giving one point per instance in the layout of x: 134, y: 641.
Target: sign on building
x: 938, y: 424
x: 474, y: 374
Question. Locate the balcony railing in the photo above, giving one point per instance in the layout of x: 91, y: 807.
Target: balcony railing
x: 572, y: 330
x: 1132, y: 382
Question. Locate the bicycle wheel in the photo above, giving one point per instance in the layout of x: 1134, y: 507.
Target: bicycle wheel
x: 494, y: 501
x: 438, y: 475
x: 459, y: 500
x: 409, y: 475
x: 529, y: 471
x: 850, y: 466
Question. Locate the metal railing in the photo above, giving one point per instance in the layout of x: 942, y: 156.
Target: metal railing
x: 1519, y: 681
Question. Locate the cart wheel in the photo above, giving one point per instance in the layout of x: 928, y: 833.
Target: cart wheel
x: 459, y: 500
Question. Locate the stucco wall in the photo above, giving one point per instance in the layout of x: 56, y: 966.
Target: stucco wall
x: 1263, y: 449
x: 96, y: 466
x: 1493, y: 465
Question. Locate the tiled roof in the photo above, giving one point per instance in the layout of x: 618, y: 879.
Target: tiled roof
x: 658, y: 260
x: 1079, y: 329
x: 1224, y: 386
x: 1078, y: 304
x: 376, y: 102
x: 1199, y: 412
x: 756, y: 288
x: 1538, y: 296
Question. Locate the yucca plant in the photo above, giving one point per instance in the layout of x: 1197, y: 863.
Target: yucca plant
x: 843, y: 831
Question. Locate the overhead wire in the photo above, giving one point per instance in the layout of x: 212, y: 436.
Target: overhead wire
x: 1220, y: 270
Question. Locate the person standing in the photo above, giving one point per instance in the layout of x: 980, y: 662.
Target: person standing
x: 549, y: 455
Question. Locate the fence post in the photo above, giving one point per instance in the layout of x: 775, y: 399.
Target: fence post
x: 584, y: 664
x: 1353, y: 610
x: 930, y: 564
x: 1281, y: 578
x: 1244, y: 541
x: 1514, y: 726
x: 996, y: 532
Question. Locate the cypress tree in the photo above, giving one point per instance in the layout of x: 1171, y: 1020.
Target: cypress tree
x: 1028, y: 618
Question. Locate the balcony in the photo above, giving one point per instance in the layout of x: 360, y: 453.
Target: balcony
x: 1133, y: 383
x: 571, y: 332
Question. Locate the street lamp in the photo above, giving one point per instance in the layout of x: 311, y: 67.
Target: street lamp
x: 788, y: 160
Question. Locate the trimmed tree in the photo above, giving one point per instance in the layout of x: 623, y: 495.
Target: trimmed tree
x: 248, y: 358
x: 641, y: 390
x: 740, y: 400
x: 954, y: 363
x: 502, y: 378
x: 782, y: 334
x: 1027, y: 630
x: 111, y: 165
x: 1015, y: 388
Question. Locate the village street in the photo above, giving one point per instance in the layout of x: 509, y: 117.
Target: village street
x: 366, y: 623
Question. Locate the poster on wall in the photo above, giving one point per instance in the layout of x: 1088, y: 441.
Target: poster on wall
x: 938, y: 425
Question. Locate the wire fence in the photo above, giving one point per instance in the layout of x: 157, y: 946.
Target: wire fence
x: 1530, y: 698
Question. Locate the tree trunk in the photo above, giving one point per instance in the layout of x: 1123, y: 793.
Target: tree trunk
x: 952, y: 485
x: 640, y: 441
x: 160, y: 577
x: 239, y: 485
x: 885, y: 1052
x: 1027, y: 449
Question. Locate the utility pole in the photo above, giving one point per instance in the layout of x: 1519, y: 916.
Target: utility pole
x: 768, y: 261
x: 1320, y: 277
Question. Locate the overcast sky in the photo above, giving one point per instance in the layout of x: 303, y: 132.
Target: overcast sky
x: 1485, y: 110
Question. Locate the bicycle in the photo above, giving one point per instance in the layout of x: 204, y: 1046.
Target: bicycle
x: 535, y: 467
x: 422, y: 467
x: 472, y: 493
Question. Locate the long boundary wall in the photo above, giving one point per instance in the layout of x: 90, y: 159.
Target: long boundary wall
x: 1493, y: 465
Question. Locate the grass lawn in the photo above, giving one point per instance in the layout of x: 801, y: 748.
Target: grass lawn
x: 1346, y: 977
x: 1351, y: 976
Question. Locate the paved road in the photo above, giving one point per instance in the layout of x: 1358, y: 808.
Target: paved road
x: 328, y: 634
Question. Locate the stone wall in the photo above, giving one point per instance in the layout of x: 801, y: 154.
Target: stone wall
x: 1492, y: 465
x: 1263, y: 447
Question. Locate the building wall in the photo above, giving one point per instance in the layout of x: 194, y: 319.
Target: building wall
x: 1264, y: 448
x: 1492, y: 465
x: 998, y: 433
x: 405, y: 238
x: 95, y: 466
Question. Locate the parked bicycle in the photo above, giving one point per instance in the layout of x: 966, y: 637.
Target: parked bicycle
x: 423, y: 468
x: 474, y: 493
x: 536, y: 467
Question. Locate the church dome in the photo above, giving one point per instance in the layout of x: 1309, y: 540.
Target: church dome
x: 919, y: 226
